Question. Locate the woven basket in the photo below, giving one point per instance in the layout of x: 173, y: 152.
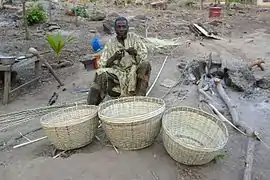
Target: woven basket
x: 132, y: 123
x: 71, y: 128
x: 191, y: 136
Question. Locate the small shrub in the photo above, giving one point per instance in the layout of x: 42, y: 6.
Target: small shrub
x: 189, y: 3
x: 79, y: 11
x: 56, y: 42
x: 35, y: 14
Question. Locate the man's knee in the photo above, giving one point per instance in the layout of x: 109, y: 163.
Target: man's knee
x: 100, y: 80
x: 144, y: 68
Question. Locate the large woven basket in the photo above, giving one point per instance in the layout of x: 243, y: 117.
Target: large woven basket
x: 71, y: 128
x: 132, y: 123
x: 191, y: 136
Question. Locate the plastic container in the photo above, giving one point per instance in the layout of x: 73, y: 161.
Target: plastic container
x: 214, y: 12
x: 96, y: 45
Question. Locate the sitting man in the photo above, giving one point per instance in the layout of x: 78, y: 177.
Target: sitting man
x: 123, y: 62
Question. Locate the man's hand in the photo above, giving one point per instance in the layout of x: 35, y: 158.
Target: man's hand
x: 118, y: 55
x: 131, y: 51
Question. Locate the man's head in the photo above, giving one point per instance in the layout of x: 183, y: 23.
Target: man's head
x: 121, y: 27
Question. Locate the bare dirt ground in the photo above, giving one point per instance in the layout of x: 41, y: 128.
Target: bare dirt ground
x: 246, y: 34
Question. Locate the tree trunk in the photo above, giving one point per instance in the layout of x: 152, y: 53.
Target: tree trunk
x: 25, y: 23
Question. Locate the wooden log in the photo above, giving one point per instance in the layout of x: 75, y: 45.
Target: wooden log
x: 250, y: 133
x: 232, y: 110
x: 222, y: 118
x: 249, y: 159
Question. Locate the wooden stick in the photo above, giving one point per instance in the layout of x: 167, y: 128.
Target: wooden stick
x: 50, y: 10
x: 7, y: 87
x: 35, y: 52
x: 25, y: 21
x: 116, y: 150
x: 30, y: 142
x: 25, y: 84
x: 222, y: 118
x: 57, y: 155
x: 150, y: 89
x: 24, y: 136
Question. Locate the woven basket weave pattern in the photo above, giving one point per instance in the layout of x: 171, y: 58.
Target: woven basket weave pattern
x: 191, y: 136
x: 72, y: 127
x: 133, y: 122
x: 134, y: 136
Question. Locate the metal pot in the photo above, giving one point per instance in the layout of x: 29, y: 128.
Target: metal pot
x: 7, y: 60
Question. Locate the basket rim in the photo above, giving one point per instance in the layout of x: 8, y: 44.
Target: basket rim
x: 210, y: 116
x: 136, y: 119
x: 95, y: 108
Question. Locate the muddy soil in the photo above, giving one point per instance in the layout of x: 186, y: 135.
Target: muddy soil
x: 246, y: 37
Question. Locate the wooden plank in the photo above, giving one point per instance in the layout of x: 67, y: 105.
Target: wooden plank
x: 31, y: 56
x: 205, y: 33
x: 7, y: 87
x: 25, y: 84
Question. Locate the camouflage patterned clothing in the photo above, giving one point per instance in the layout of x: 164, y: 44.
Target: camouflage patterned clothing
x: 126, y: 69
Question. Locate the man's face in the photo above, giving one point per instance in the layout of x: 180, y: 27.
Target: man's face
x: 121, y: 28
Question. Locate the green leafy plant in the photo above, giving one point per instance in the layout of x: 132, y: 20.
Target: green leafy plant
x: 219, y: 157
x: 189, y: 3
x: 57, y: 42
x: 35, y: 14
x: 79, y: 11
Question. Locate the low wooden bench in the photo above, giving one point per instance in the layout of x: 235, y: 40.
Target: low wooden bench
x: 7, y: 69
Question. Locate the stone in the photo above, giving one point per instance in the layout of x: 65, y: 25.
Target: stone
x: 168, y: 83
x: 263, y: 83
x: 241, y: 79
x: 53, y: 27
x: 92, y: 31
x: 249, y: 41
x: 62, y: 64
x: 96, y: 15
x: 141, y: 17
x: 108, y: 26
x: 113, y: 16
x: 159, y: 5
x: 66, y: 33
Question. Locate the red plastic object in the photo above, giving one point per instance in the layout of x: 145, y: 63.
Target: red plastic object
x: 214, y: 12
x: 91, y: 64
x: 97, y: 58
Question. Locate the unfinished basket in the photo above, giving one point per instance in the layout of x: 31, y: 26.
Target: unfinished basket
x: 71, y: 128
x: 191, y: 136
x: 132, y: 123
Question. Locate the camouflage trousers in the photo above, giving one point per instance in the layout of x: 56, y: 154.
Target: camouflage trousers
x: 130, y: 84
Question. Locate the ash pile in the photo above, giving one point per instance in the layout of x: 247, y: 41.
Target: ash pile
x: 239, y: 77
